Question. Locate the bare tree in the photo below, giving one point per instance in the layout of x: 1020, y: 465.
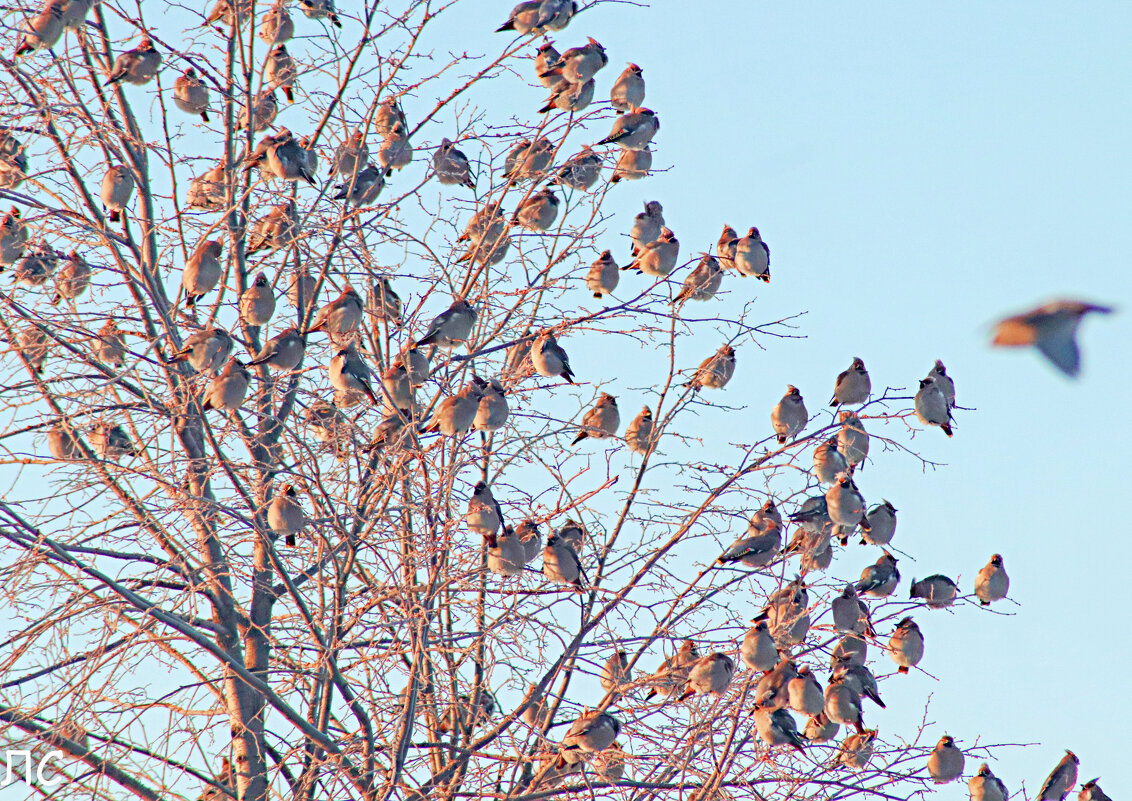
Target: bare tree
x: 280, y: 536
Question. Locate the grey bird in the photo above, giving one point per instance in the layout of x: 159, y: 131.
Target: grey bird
x: 592, y: 732
x: 647, y: 226
x: 879, y: 580
x: 570, y: 97
x: 395, y: 151
x: 992, y: 583
x: 846, y: 506
x: 639, y: 434
x: 882, y: 524
x: 117, y: 189
x: 362, y: 189
x: 537, y: 713
x: 860, y: 678
x: 556, y: 14
x: 416, y: 361
x: 257, y: 303
x: 279, y: 228
x: 544, y: 57
x: 37, y: 266
x: 600, y: 422
x: 285, y: 515
x: 301, y: 289
x: 451, y: 327
x: 709, y: 675
x: 281, y: 156
x: 341, y: 316
x: 573, y: 533
x: 32, y: 343
x: 1052, y: 329
x: 857, y: 749
x: 603, y: 275
x: 615, y: 672
x: 752, y: 256
x: 906, y: 645
x: 262, y: 111
x: 580, y: 64
x: 985, y: 786
x: 628, y: 91
x: 702, y: 282
x: 62, y: 444
x: 843, y: 705
x: 227, y: 391
x: 633, y: 131
x: 138, y: 66
x: 726, y: 246
x: 778, y: 727
x: 277, y: 25
x: 944, y: 382
x: 530, y: 537
x: 206, y: 350
x: 805, y: 693
x: 820, y: 729
x: 202, y: 271
x: 937, y: 591
x: 455, y: 414
x: 398, y: 388
x: 13, y: 238
x: 109, y: 346
x: 758, y: 649
x: 632, y: 165
x: 190, y: 94
x: 538, y: 212
x: 757, y: 549
x: 493, y: 410
x: 519, y: 356
x: 850, y: 613
x: 931, y: 405
x: 484, y: 515
x: 284, y: 351
x: 945, y: 762
x: 672, y: 675
x: 716, y: 370
x: 209, y: 191
x: 351, y: 156
x: 73, y: 280
x: 657, y: 258
x: 549, y: 359
x: 560, y: 563
x: 789, y: 416
x: 385, y: 303
x: 1091, y: 791
x: 528, y: 17
x: 232, y: 13
x: 528, y: 159
x: 389, y: 119
x: 43, y: 30
x: 452, y: 166
x: 853, y: 385
x: 320, y: 9
x: 851, y: 650
x: 772, y: 690
x: 324, y: 421
x: 581, y: 171
x: 828, y: 462
x: 852, y: 439
x: 280, y: 71
x: 349, y: 374
x: 1058, y: 784
x: 111, y: 441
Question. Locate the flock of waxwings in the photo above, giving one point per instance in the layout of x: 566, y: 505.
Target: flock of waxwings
x: 482, y: 405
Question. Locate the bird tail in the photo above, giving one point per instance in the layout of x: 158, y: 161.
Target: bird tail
x: 115, y: 216
x: 204, y: 116
x: 506, y: 26
x: 581, y: 436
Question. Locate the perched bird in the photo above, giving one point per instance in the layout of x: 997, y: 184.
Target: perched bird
x: 284, y: 351
x: 202, y: 271
x: 772, y: 690
x: 465, y: 713
x: 573, y: 533
x: 615, y: 672
x: 716, y: 370
x: 341, y: 316
x: 592, y: 732
x: 672, y: 675
x: 937, y: 591
x: 451, y: 327
x: 581, y: 171
x: 726, y: 246
x: 62, y: 444
x: 702, y: 282
x: 261, y: 111
x: 828, y: 462
x: 931, y: 406
x: 843, y: 705
x: 628, y: 91
x: 859, y: 677
x: 138, y: 66
x: 580, y: 64
x: 350, y: 374
x: 1052, y: 329
x: 493, y: 410
x: 455, y: 414
x: 549, y: 359
x: 906, y: 646
x: 483, y: 515
x: 758, y: 649
x: 42, y: 31
x: 398, y: 388
x: 37, y: 266
x: 850, y: 613
x: 882, y: 524
x: 789, y: 417
x: 945, y: 383
x: 283, y: 157
x: 603, y: 275
x: 639, y: 434
x: 538, y: 212
x: 647, y: 226
x: 853, y: 385
x: 486, y: 233
x: 416, y: 361
x: 280, y: 71
x: 362, y: 189
x: 32, y: 343
x: 519, y: 355
x: 879, y: 580
x: 257, y: 303
x: 320, y: 9
x: 73, y: 278
x: 395, y: 152
x: 632, y: 165
x: 852, y: 439
x: 602, y: 421
x: 752, y: 256
x: 109, y: 346
x: 945, y: 762
x: 210, y: 190
x: 537, y: 713
x: 778, y: 727
x: 857, y: 749
x: 525, y: 18
x: 385, y: 303
x: 232, y: 13
x: 709, y: 675
x: 528, y: 159
x: 452, y: 166
x: 1091, y: 791
x: 190, y: 94
x: 389, y: 119
x: 13, y: 238
x: 845, y: 504
x: 570, y: 97
x: 111, y: 442
x: 301, y: 289
x: 117, y: 188
x: 1058, y: 784
x: 206, y: 350
x: 530, y: 537
x: 279, y: 228
x: 285, y: 515
x: 850, y: 650
x: 544, y: 57
x: 277, y: 26
x: 820, y: 729
x: 352, y: 155
x: 992, y: 583
x: 985, y: 786
x: 757, y: 549
x: 633, y: 131
x: 227, y: 391
x: 609, y: 765
x: 805, y: 693
x: 560, y: 563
